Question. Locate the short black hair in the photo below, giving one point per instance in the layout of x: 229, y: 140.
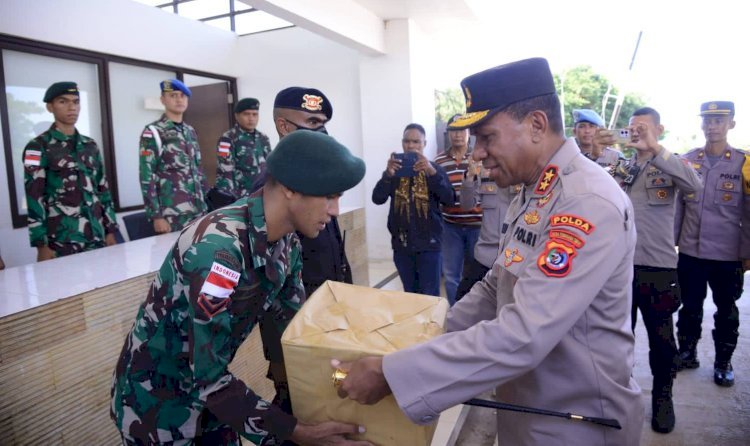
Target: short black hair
x: 643, y: 111
x: 548, y: 103
x: 416, y: 127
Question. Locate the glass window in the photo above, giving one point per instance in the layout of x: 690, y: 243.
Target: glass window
x: 200, y: 9
x: 257, y: 21
x: 27, y: 77
x: 135, y: 102
x: 224, y: 23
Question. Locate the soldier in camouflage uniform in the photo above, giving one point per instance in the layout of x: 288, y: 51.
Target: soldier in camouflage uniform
x: 69, y: 204
x: 226, y: 271
x: 242, y: 151
x: 172, y: 182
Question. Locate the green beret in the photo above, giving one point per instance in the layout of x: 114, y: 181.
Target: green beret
x: 313, y: 163
x: 59, y: 89
x: 246, y: 104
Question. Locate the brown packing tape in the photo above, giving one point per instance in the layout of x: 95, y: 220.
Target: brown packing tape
x: 347, y: 322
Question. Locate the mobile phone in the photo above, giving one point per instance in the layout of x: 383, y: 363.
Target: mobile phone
x: 408, y: 160
x: 622, y: 136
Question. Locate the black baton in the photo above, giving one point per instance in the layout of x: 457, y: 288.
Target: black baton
x: 570, y: 416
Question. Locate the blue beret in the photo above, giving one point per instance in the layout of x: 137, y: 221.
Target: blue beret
x: 247, y: 104
x: 587, y: 115
x: 493, y: 90
x: 309, y: 100
x: 59, y: 89
x: 172, y: 85
x: 313, y: 163
x: 717, y: 108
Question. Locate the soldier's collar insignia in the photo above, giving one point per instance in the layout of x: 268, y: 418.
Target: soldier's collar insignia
x: 546, y: 180
x: 556, y: 259
x: 511, y: 256
x: 531, y: 218
x: 544, y: 200
x: 312, y: 102
x: 572, y: 221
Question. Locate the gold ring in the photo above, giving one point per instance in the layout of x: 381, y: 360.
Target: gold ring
x: 338, y: 376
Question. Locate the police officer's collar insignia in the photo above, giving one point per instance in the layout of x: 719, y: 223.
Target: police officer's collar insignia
x: 572, y: 221
x: 531, y: 218
x: 548, y: 177
x: 517, y: 188
x: 312, y: 102
x: 727, y: 154
x: 701, y: 154
x: 544, y: 200
x: 511, y: 256
x: 557, y: 259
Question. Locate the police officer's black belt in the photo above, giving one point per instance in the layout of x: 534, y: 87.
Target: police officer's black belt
x: 524, y: 409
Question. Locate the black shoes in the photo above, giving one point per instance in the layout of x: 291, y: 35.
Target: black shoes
x: 723, y: 374
x: 688, y: 360
x: 662, y: 414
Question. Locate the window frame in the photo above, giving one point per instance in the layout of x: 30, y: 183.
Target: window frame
x: 107, y: 145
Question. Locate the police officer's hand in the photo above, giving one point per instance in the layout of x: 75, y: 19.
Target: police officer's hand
x: 474, y: 169
x: 44, y: 252
x: 161, y: 226
x: 643, y: 137
x: 365, y: 382
x: 423, y: 164
x: 327, y: 433
x: 110, y: 240
x: 392, y: 166
x: 602, y: 138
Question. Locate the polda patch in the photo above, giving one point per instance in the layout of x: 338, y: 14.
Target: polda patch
x: 557, y: 259
x: 572, y: 221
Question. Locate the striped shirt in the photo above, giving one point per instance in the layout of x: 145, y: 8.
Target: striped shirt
x: 455, y: 169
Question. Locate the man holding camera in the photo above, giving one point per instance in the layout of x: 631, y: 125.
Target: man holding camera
x: 651, y: 179
x: 586, y: 123
x: 417, y: 187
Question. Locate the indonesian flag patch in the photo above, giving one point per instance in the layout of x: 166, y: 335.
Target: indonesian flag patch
x: 32, y: 158
x: 220, y: 281
x: 224, y: 149
x: 147, y: 134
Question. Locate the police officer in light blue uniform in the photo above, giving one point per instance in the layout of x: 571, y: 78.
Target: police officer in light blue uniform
x: 713, y: 234
x: 586, y: 122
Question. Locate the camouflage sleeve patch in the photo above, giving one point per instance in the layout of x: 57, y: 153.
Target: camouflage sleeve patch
x: 216, y: 290
x: 35, y: 184
x: 225, y: 166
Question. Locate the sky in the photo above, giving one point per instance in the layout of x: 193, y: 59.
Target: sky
x: 690, y: 52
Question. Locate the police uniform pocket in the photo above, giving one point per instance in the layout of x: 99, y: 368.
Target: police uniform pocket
x: 660, y: 191
x: 728, y: 193
x: 489, y: 198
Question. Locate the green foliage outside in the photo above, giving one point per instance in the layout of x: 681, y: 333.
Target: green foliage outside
x: 448, y: 102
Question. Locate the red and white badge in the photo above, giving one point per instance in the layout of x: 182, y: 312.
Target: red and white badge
x: 224, y: 149
x: 147, y: 134
x: 220, y: 281
x: 32, y: 158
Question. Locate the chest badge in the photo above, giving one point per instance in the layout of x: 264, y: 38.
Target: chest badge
x: 661, y: 194
x: 549, y: 175
x: 511, y: 256
x: 727, y: 197
x: 728, y: 185
x: 531, y: 218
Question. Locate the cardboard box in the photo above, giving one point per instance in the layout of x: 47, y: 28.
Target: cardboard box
x: 348, y: 322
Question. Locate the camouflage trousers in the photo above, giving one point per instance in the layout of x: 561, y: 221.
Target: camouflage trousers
x: 224, y: 436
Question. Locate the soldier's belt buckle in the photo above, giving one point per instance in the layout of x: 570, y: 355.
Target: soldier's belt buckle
x: 337, y: 377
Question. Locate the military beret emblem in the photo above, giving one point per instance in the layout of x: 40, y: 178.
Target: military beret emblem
x: 312, y: 102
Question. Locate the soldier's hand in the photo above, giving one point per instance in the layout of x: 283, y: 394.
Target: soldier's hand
x: 365, y: 382
x: 423, y: 164
x: 161, y: 226
x: 327, y: 433
x: 110, y: 240
x: 392, y: 166
x: 44, y: 252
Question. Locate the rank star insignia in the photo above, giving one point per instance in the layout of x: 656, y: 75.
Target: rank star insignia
x: 312, y: 102
x: 531, y: 218
x: 511, y: 255
x: 550, y: 173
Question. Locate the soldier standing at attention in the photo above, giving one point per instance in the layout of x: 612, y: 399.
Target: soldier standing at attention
x: 651, y: 179
x: 171, y: 384
x: 241, y: 151
x: 548, y: 326
x: 67, y: 195
x: 713, y: 234
x: 586, y: 123
x: 460, y: 226
x: 172, y: 182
